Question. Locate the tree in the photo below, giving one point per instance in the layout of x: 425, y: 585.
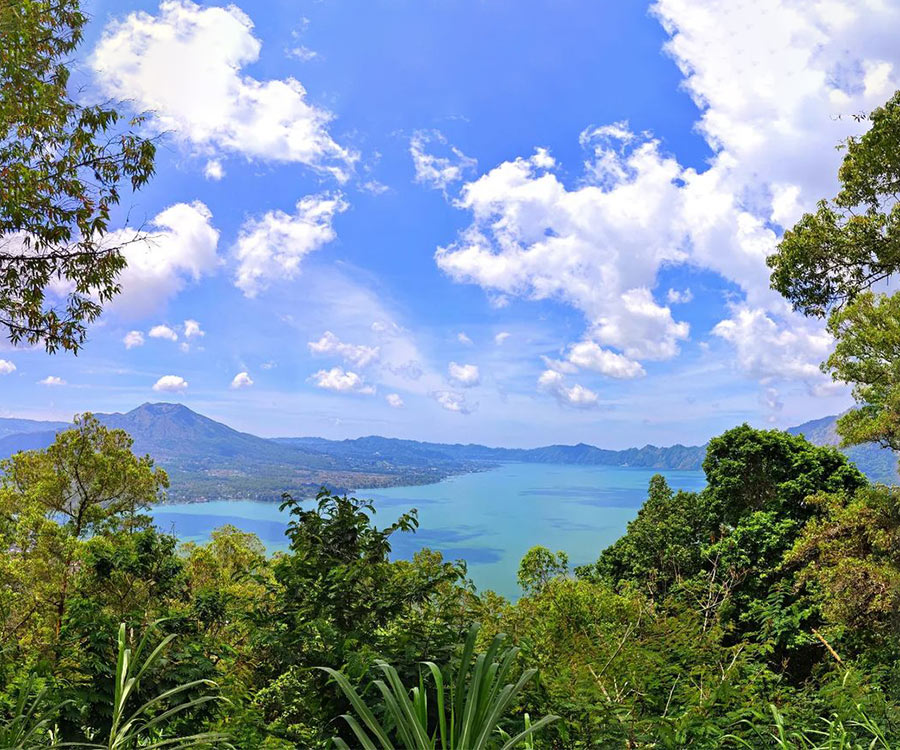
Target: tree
x: 338, y: 601
x: 86, y: 485
x: 852, y: 241
x: 661, y: 547
x: 867, y: 354
x: 61, y: 166
x: 830, y: 260
x: 539, y: 567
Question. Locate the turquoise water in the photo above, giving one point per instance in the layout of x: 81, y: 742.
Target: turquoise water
x: 490, y: 519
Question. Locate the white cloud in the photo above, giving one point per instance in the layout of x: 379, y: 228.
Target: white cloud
x: 241, y: 380
x: 302, y: 53
x: 451, y: 401
x: 590, y: 356
x: 553, y: 382
x: 179, y: 247
x: 356, y: 354
x: 133, y: 339
x: 192, y: 329
x: 438, y: 171
x: 464, y: 375
x: 501, y: 337
x: 337, y: 379
x: 679, y: 296
x: 268, y: 365
x: 767, y: 351
x: 394, y: 400
x: 171, y: 384
x: 213, y: 170
x: 463, y: 339
x: 163, y: 332
x: 52, y: 380
x: 6, y: 367
x: 596, y: 247
x: 214, y: 106
x: 804, y: 66
x: 271, y: 248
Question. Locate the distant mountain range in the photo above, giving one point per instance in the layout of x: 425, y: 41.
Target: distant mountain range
x: 206, y: 459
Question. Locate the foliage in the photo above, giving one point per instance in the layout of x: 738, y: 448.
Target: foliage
x: 852, y: 241
x: 468, y: 716
x: 62, y: 164
x: 539, y: 567
x: 777, y: 584
x: 338, y: 601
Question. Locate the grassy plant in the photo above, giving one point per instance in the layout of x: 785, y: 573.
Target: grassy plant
x: 836, y: 734
x: 479, y: 698
x: 142, y: 727
x: 31, y: 725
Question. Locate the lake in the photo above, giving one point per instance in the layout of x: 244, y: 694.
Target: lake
x: 490, y: 518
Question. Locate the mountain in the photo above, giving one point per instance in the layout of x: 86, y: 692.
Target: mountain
x: 412, y: 452
x: 173, y: 432
x: 10, y: 426
x: 877, y: 463
x: 207, y: 459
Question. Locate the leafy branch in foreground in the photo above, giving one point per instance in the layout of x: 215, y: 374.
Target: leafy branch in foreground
x: 479, y: 699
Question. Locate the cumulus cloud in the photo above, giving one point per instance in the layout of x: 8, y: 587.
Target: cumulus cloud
x: 52, y: 380
x: 501, y: 337
x: 133, y: 339
x: 6, y: 367
x: 192, y: 329
x: 598, y: 245
x: 463, y: 339
x: 163, y: 332
x: 588, y: 355
x: 452, y: 401
x: 272, y: 247
x: 767, y: 351
x: 241, y: 380
x: 595, y: 247
x: 171, y: 384
x: 394, y: 400
x: 553, y: 382
x: 438, y: 172
x: 465, y: 375
x: 356, y: 354
x: 215, y: 108
x: 178, y: 247
x: 342, y: 381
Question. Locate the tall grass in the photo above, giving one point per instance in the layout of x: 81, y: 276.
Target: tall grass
x: 468, y: 718
x: 32, y: 726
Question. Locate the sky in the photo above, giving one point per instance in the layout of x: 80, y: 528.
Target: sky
x: 512, y: 222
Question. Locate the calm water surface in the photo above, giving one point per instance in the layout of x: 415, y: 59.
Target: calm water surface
x: 490, y: 519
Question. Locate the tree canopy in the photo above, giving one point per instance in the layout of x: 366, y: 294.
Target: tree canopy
x: 62, y: 167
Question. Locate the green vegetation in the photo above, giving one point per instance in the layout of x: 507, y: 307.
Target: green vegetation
x: 62, y: 164
x: 761, y: 610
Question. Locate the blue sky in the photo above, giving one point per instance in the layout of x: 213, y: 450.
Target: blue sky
x: 510, y: 222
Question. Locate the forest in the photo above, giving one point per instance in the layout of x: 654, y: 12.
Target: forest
x: 762, y: 611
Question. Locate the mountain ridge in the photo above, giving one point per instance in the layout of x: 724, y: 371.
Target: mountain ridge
x: 206, y: 458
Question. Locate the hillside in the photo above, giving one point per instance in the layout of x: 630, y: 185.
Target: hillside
x: 11, y: 426
x: 877, y: 463
x: 207, y: 459
x: 412, y: 452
